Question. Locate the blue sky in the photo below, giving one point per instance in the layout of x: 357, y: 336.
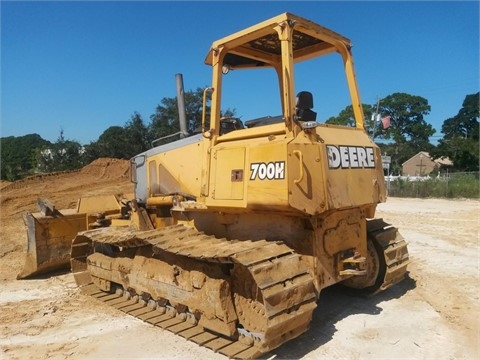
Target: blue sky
x: 85, y: 66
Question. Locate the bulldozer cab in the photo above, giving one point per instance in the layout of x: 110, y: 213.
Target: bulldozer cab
x: 286, y: 161
x: 280, y: 157
x: 280, y: 44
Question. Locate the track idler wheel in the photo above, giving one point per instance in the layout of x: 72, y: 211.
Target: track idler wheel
x: 387, y: 259
x: 375, y: 266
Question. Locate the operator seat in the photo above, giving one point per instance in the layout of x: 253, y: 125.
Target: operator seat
x: 304, y: 107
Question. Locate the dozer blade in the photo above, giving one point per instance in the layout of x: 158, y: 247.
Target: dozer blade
x: 49, y: 240
x: 50, y: 232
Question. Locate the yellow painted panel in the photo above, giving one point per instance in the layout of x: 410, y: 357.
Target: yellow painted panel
x: 228, y: 165
x: 306, y: 181
x: 179, y: 170
x: 353, y: 168
x: 267, y: 176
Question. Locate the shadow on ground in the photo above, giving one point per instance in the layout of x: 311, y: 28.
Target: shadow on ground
x: 337, y: 303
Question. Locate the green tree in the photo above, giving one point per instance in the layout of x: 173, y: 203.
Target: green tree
x: 408, y: 132
x: 165, y: 121
x: 63, y: 155
x: 461, y: 136
x: 407, y: 121
x: 137, y: 134
x: 346, y: 117
x: 465, y: 124
x: 18, y: 155
x: 112, y: 143
x: 120, y: 142
x: 93, y: 151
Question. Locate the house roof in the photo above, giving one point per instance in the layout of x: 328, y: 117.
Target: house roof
x: 443, y: 160
x: 424, y: 153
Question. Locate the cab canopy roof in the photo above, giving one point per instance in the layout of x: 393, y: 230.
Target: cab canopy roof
x: 260, y: 46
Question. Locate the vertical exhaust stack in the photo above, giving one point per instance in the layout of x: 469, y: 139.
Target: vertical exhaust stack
x: 182, y: 114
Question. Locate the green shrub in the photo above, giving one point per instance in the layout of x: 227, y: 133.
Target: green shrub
x: 453, y: 186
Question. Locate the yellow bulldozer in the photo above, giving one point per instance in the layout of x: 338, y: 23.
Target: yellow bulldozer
x: 232, y: 232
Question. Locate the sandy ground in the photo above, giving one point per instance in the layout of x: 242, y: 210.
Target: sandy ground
x: 432, y: 314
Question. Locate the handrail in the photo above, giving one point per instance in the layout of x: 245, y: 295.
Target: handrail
x: 300, y: 158
x: 165, y: 137
x: 133, y: 167
x: 204, y: 108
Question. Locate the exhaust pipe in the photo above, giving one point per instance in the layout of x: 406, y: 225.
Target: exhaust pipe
x: 182, y: 114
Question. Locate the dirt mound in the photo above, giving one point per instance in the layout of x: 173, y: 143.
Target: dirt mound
x: 4, y: 183
x: 103, y: 176
x: 32, y: 180
x: 100, y: 169
x: 107, y: 168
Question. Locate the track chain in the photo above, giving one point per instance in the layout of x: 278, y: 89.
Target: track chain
x: 286, y: 287
x: 394, y: 250
x: 175, y: 324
